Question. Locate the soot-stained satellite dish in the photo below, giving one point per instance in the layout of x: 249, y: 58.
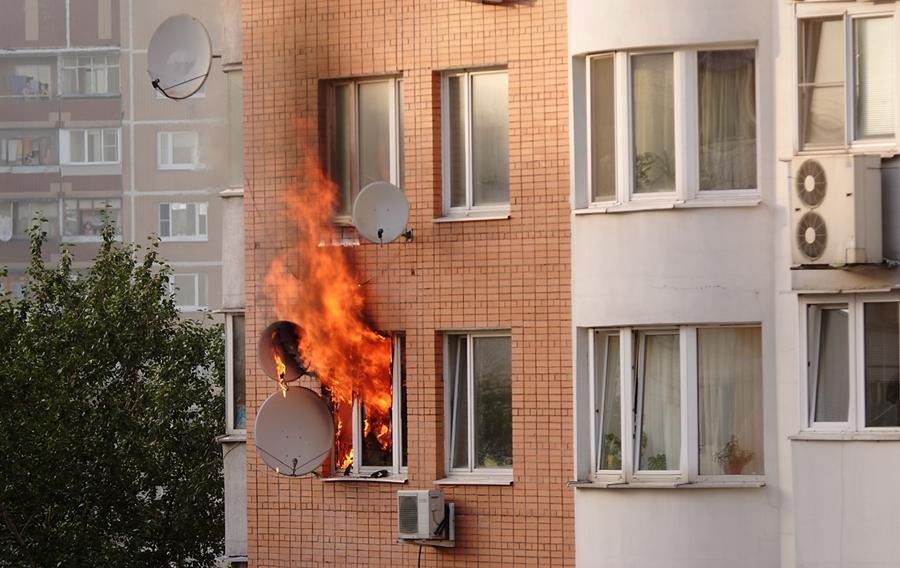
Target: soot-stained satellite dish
x: 279, y: 352
x: 381, y: 212
x: 179, y: 56
x: 294, y: 431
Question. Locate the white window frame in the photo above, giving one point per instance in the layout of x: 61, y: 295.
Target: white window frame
x: 197, y: 214
x: 229, y: 373
x: 856, y: 373
x: 686, y: 126
x: 848, y: 14
x: 165, y: 160
x: 395, y: 85
x: 629, y: 379
x: 195, y: 307
x: 95, y: 63
x: 502, y: 210
x: 471, y: 472
x: 65, y: 146
x: 87, y: 238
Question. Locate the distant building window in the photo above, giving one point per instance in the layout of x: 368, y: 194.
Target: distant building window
x: 364, y: 141
x: 189, y: 290
x: 29, y: 80
x: 235, y: 377
x: 185, y: 221
x: 84, y: 217
x: 90, y: 75
x: 90, y: 146
x: 28, y: 148
x: 16, y: 217
x: 177, y: 150
x: 475, y: 126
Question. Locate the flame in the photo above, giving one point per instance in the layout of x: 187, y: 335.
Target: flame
x: 315, y: 287
x: 280, y: 368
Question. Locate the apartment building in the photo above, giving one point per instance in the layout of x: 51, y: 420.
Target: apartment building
x: 464, y: 106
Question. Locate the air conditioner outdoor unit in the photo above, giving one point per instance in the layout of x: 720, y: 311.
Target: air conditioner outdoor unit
x: 836, y: 210
x: 420, y: 514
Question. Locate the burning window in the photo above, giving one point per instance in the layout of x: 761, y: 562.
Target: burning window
x: 367, y: 440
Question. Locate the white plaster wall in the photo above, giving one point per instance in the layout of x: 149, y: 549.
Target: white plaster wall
x: 670, y: 267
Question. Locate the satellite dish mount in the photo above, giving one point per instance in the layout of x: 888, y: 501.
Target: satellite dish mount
x: 179, y: 57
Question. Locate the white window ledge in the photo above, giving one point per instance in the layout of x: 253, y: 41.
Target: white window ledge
x: 232, y: 192
x: 635, y: 206
x: 472, y: 216
x: 201, y: 239
x: 706, y: 484
x: 476, y: 480
x: 892, y: 436
x: 235, y: 438
x: 353, y: 478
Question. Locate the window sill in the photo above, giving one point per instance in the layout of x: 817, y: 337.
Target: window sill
x: 472, y: 216
x: 179, y: 168
x: 184, y: 239
x: 30, y: 169
x: 703, y: 203
x: 232, y: 438
x: 476, y: 480
x: 353, y: 478
x: 736, y: 484
x: 232, y: 192
x: 892, y: 436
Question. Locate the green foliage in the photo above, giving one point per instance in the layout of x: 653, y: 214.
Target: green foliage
x: 111, y: 403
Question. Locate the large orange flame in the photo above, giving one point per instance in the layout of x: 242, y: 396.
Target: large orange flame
x: 314, y: 286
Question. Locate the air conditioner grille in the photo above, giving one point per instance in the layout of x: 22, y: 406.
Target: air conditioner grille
x: 812, y: 185
x: 812, y: 235
x: 408, y: 515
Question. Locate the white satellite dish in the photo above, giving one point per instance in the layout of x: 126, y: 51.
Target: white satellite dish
x: 179, y: 56
x: 294, y: 431
x: 381, y: 212
x: 282, y: 338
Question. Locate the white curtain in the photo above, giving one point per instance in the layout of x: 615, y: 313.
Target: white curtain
x: 653, y: 122
x: 660, y: 442
x: 729, y: 369
x: 727, y: 105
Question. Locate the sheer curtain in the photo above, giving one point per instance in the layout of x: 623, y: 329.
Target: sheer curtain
x: 727, y: 105
x: 729, y: 381
x: 822, y: 81
x: 660, y: 442
x: 653, y: 122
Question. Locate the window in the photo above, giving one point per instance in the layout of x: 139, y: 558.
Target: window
x: 691, y: 396
x: 235, y: 128
x: 90, y: 75
x: 28, y: 80
x: 183, y: 221
x: 833, y: 113
x: 189, y: 291
x: 177, y: 150
x: 364, y: 139
x: 368, y: 455
x: 17, y: 217
x: 852, y: 356
x: 475, y: 125
x: 479, y: 409
x: 93, y: 146
x: 84, y: 217
x: 652, y: 153
x: 28, y: 148
x: 235, y: 377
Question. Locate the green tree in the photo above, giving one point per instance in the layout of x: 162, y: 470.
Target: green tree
x: 110, y: 405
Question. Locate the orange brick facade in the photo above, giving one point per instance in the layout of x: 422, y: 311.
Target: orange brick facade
x: 501, y: 274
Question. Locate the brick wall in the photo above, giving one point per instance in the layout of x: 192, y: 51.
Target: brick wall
x: 509, y: 274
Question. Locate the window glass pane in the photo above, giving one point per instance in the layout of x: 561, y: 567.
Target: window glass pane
x: 400, y: 150
x: 822, y: 81
x: 164, y: 141
x: 95, y: 145
x: 729, y: 386
x: 76, y: 146
x: 183, y: 219
x: 456, y: 96
x: 183, y: 146
x: 490, y: 139
x: 26, y: 211
x: 603, y: 129
x: 374, y: 133
x: 492, y: 364
x: 342, y: 146
x: 185, y: 289
x: 84, y: 217
x: 829, y: 364
x: 882, y: 360
x: 459, y: 417
x: 373, y: 454
x: 874, y: 56
x: 110, y: 145
x: 239, y: 382
x: 235, y: 128
x: 727, y: 106
x: 653, y: 122
x: 660, y: 402
x: 404, y: 429
x: 606, y: 350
